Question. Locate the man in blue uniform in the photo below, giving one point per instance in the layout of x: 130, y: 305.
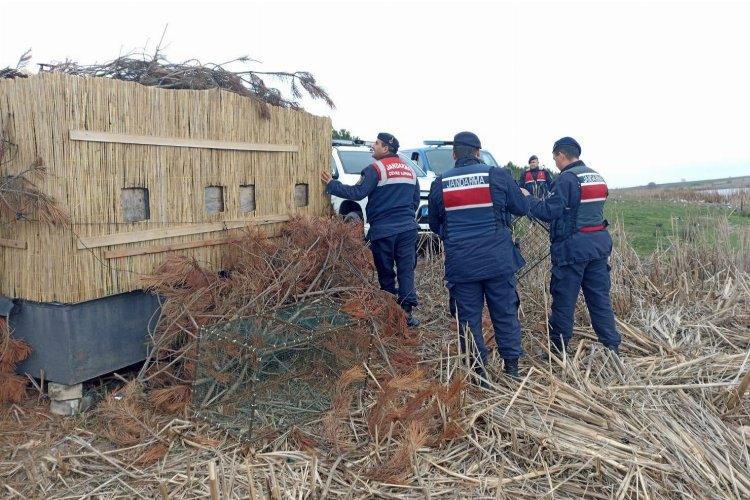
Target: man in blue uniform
x: 535, y: 180
x: 580, y: 247
x: 470, y: 207
x: 393, y: 197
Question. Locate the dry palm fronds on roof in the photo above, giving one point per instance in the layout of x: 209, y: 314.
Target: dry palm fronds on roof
x: 18, y: 71
x: 669, y: 420
x: 156, y: 71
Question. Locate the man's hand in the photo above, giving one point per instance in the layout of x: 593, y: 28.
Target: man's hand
x: 524, y: 192
x: 325, y: 177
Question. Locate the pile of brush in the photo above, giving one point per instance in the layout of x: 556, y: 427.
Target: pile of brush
x: 313, y: 260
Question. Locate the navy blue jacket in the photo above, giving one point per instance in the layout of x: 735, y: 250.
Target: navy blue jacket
x: 565, y: 195
x: 391, y: 208
x: 483, y: 256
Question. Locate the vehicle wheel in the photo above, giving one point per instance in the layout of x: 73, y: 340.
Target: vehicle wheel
x: 353, y: 217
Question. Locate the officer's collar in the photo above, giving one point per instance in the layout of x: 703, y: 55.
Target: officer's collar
x: 577, y: 163
x: 467, y: 160
x: 389, y: 155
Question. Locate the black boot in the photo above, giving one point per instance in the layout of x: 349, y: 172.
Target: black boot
x: 615, y: 349
x: 411, y: 321
x: 558, y: 352
x: 511, y: 367
x: 481, y: 378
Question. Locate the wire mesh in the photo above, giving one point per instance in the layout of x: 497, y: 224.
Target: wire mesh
x: 532, y: 237
x: 255, y: 376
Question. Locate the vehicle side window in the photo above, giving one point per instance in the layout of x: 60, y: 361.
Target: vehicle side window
x: 489, y: 159
x: 333, y: 166
x: 417, y: 158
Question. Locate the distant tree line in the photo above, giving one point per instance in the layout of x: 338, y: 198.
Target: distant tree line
x: 515, y: 170
x: 344, y: 134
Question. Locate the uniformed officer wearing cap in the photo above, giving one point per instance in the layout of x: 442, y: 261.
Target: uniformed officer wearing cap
x: 535, y: 180
x: 393, y: 197
x: 580, y: 247
x: 470, y: 207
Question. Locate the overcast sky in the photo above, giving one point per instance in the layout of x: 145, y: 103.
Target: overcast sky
x: 653, y: 91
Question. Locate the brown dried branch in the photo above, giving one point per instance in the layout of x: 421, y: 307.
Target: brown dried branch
x: 21, y: 199
x: 18, y: 71
x: 155, y: 71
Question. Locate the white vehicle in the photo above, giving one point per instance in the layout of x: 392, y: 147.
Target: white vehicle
x: 437, y: 157
x: 348, y: 159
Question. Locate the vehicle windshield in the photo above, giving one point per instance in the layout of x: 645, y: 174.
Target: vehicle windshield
x: 488, y: 159
x: 441, y: 159
x: 355, y: 161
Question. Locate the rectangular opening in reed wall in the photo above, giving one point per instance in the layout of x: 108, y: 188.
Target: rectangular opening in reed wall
x: 300, y: 195
x: 213, y: 199
x: 134, y: 204
x: 247, y: 198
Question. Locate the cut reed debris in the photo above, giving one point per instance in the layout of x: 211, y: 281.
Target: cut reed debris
x: 669, y: 419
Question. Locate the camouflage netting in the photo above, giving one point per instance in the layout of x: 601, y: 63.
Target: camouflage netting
x: 259, y: 375
x: 260, y: 344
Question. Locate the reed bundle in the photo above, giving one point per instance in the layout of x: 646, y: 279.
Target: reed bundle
x: 196, y: 185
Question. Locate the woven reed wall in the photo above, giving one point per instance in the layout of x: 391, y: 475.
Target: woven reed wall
x: 72, y: 263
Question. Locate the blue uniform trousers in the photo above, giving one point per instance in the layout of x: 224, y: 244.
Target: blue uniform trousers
x: 502, y: 302
x: 593, y: 277
x: 399, y: 250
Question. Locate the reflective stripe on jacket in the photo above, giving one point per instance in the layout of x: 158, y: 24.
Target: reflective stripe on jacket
x: 469, y: 207
x: 392, y: 194
x: 468, y: 203
x: 585, y: 211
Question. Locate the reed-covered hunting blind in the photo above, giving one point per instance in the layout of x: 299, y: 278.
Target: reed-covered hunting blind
x: 140, y: 172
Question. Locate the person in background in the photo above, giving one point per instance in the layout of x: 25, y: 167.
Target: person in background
x: 580, y: 247
x: 393, y: 197
x: 535, y: 180
x: 470, y: 207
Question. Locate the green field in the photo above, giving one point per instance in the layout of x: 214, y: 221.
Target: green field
x: 649, y: 223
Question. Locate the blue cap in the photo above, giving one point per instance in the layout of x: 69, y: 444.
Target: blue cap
x: 567, y: 141
x: 467, y: 139
x: 388, y: 140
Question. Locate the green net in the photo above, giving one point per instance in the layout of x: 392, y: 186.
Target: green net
x: 256, y: 376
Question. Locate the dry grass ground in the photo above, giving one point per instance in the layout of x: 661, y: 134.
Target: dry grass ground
x: 668, y: 420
